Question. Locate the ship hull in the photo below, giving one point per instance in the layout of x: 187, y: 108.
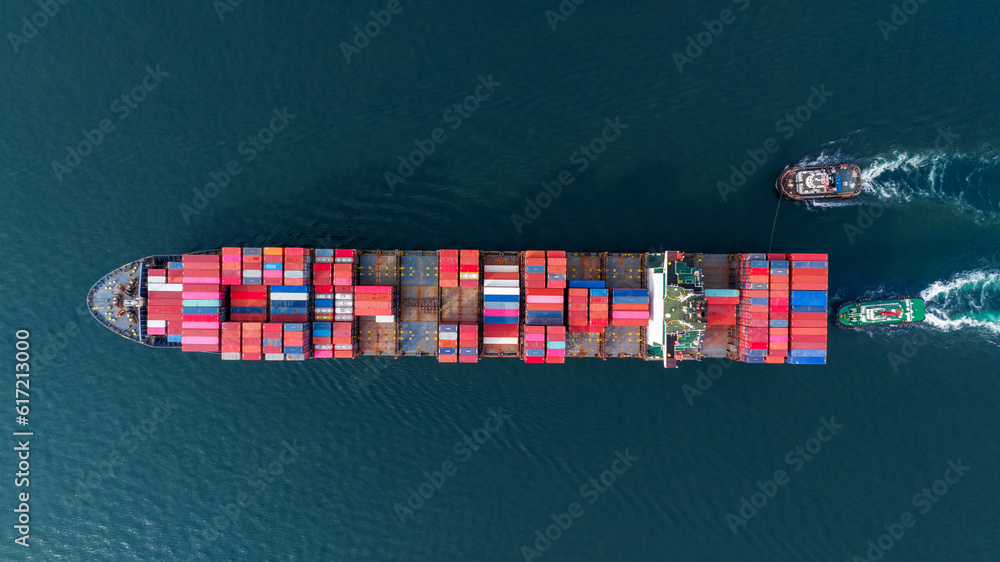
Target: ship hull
x: 459, y: 306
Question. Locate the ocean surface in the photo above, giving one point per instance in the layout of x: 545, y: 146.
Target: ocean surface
x: 125, y: 133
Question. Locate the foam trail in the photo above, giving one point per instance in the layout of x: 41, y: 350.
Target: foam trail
x: 968, y: 182
x: 969, y: 300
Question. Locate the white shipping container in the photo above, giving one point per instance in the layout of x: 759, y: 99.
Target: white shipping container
x: 156, y: 323
x: 343, y: 318
x: 343, y: 296
x: 501, y: 268
x: 385, y: 319
x: 343, y: 310
x: 500, y: 341
x: 501, y: 291
x: 448, y: 336
x: 468, y: 276
x: 501, y: 283
x: 323, y: 347
x: 229, y: 356
x: 344, y: 260
x: 274, y: 357
x: 252, y: 273
x: 343, y: 347
x: 324, y: 259
x: 324, y: 295
x: 289, y: 296
x: 323, y: 310
x: 176, y: 287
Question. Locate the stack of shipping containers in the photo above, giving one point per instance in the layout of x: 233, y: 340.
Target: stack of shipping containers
x: 202, y: 302
x: 274, y: 266
x: 298, y: 266
x: 543, y: 307
x: 629, y: 307
x: 343, y: 301
x: 555, y: 274
x: 322, y: 340
x: 809, y: 284
x: 469, y: 274
x: 577, y: 318
x: 448, y: 343
x: 374, y: 300
x: 777, y: 335
x: 232, y: 266
x: 272, y: 333
x: 296, y: 341
x: 534, y: 269
x: 501, y: 304
x: 598, y: 308
x: 248, y: 303
x: 231, y: 333
x: 448, y: 268
x: 534, y: 344
x: 468, y: 343
x: 754, y: 299
x: 555, y: 344
x: 722, y: 305
x: 289, y: 303
x: 164, y: 306
x: 252, y: 343
x: 253, y: 266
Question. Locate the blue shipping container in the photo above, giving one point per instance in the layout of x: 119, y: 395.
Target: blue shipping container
x: 500, y: 320
x: 752, y: 359
x: 807, y: 308
x: 543, y: 314
x: 779, y: 323
x: 808, y: 353
x: 598, y: 292
x: 467, y: 351
x: 534, y: 269
x: 758, y: 300
x: 447, y: 351
x: 500, y: 298
x: 534, y: 352
x: 586, y: 284
x: 807, y: 360
x: 630, y: 292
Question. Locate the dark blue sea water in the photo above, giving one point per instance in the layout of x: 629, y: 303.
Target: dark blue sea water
x: 140, y: 454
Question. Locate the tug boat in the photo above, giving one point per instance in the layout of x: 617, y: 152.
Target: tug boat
x: 868, y: 313
x: 839, y: 181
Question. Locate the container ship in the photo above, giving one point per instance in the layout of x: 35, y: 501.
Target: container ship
x: 869, y: 313
x: 292, y: 304
x: 820, y: 182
